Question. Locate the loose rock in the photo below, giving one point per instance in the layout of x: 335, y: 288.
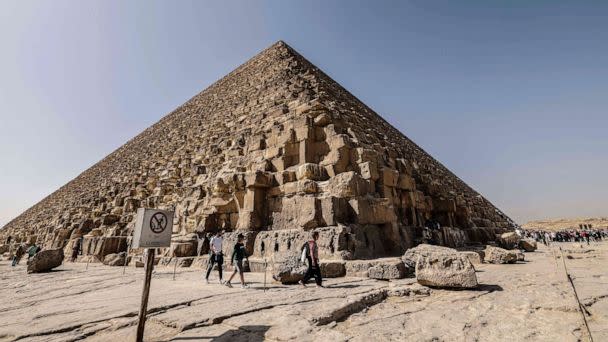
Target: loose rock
x: 45, y: 261
x: 497, y: 255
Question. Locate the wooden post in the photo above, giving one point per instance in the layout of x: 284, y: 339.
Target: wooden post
x: 265, y: 267
x: 145, y: 294
x: 174, y: 268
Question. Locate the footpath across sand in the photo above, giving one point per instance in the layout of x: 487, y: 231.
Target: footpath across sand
x: 530, y: 301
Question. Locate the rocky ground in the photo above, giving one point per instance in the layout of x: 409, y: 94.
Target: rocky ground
x: 524, y: 301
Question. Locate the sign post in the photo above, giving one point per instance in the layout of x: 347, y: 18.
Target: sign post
x: 153, y: 229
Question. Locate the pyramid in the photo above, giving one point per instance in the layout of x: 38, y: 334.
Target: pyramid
x: 274, y: 149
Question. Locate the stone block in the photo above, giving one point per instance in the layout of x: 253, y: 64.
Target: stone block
x: 388, y: 270
x: 311, y: 171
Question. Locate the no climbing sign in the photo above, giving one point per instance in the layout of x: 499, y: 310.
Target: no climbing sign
x: 153, y: 228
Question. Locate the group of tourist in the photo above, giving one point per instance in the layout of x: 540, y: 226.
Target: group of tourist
x: 22, y: 249
x: 565, y: 235
x: 310, y: 254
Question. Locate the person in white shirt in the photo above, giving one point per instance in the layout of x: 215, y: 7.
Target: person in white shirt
x: 215, y: 255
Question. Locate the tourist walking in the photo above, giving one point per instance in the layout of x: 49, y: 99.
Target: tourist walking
x: 238, y: 253
x: 215, y: 255
x: 18, y: 254
x: 310, y: 252
x: 33, y: 250
x: 76, y: 248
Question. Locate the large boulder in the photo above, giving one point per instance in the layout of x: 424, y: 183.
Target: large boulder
x: 289, y: 270
x: 528, y: 245
x: 388, y: 270
x: 115, y: 259
x: 508, y: 240
x: 411, y: 256
x: 451, y: 270
x: 497, y: 255
x: 45, y: 261
x: 474, y: 257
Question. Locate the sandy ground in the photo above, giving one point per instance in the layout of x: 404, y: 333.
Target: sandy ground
x: 530, y: 301
x: 566, y: 223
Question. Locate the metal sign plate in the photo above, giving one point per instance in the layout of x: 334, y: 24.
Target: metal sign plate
x: 153, y: 228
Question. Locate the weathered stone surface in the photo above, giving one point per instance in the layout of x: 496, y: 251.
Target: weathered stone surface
x: 474, y: 257
x: 288, y: 270
x: 508, y: 240
x: 497, y: 255
x: 116, y: 259
x: 275, y: 145
x: 45, y: 261
x: 332, y: 269
x: 528, y: 245
x: 412, y: 255
x: 446, y: 270
x: 387, y: 270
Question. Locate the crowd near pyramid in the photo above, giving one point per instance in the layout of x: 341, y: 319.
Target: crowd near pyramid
x: 273, y: 150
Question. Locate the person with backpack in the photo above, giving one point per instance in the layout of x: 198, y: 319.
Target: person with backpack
x: 239, y: 253
x: 215, y: 255
x: 310, y: 252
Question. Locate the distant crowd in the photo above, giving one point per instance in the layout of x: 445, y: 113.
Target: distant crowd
x: 566, y: 235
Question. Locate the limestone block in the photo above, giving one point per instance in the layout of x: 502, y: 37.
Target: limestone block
x: 346, y: 184
x: 307, y: 186
x: 446, y: 270
x: 288, y: 270
x: 508, y: 240
x: 528, y: 245
x: 258, y: 179
x: 474, y: 257
x: 115, y: 259
x: 339, y: 154
x: 332, y: 269
x: 496, y: 255
x: 278, y: 164
x: 297, y: 212
x: 334, y: 210
x: 311, y: 171
x: 364, y: 155
x: 412, y: 255
x: 45, y: 260
x: 322, y: 120
x: 406, y: 182
x: 373, y: 210
x: 388, y: 270
x: 369, y: 170
x: 389, y: 177
x: 286, y: 176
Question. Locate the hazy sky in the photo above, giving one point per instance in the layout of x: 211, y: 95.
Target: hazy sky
x: 511, y: 96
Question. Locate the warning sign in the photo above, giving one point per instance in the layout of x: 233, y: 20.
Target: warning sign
x: 153, y: 228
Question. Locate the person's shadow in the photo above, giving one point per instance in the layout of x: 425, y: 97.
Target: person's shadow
x: 245, y: 333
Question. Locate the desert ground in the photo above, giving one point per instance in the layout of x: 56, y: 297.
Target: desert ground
x: 529, y: 301
x: 566, y: 223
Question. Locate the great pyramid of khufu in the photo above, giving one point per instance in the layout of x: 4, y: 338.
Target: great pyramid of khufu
x: 274, y: 149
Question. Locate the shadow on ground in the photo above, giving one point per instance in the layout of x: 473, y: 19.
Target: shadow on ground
x: 245, y: 333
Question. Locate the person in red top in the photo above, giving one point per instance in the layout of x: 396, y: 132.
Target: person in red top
x: 310, y: 251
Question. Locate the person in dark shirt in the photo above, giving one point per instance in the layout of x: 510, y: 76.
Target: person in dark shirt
x: 238, y: 254
x: 310, y: 252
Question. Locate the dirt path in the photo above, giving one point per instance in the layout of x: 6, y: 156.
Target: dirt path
x: 531, y: 301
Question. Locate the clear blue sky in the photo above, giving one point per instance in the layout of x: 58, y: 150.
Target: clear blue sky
x: 512, y: 96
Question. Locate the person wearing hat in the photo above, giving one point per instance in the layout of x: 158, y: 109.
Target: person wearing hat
x: 239, y: 253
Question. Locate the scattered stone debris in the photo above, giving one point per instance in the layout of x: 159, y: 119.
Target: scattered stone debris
x: 497, y: 255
